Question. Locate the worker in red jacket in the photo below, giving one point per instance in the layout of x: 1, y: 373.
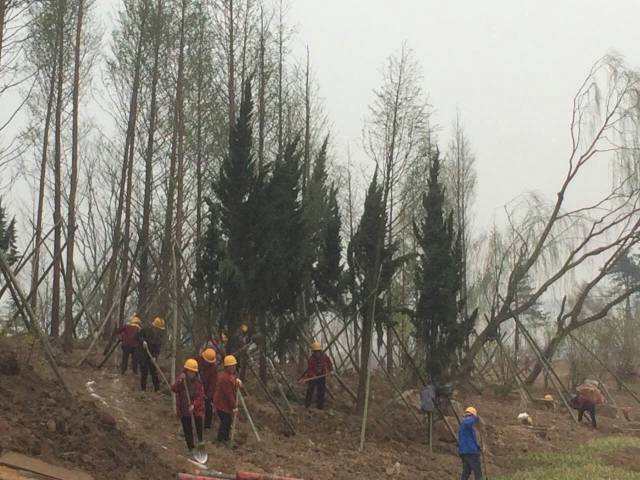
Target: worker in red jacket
x: 224, y: 398
x: 189, y: 380
x: 208, y: 369
x: 583, y: 404
x: 318, y: 368
x: 129, y: 343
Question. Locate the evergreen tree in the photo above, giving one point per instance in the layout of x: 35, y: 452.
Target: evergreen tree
x: 8, y: 236
x: 233, y: 189
x: 323, y: 245
x: 371, y: 268
x: 206, y: 280
x: 328, y: 271
x: 438, y: 281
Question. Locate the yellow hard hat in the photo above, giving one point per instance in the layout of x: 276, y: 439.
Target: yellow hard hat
x: 158, y: 323
x: 230, y: 361
x: 135, y: 320
x: 316, y: 346
x: 548, y: 398
x: 244, y: 328
x: 471, y: 411
x: 209, y: 355
x: 191, y: 365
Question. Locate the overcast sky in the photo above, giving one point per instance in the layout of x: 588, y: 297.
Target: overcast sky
x: 511, y: 67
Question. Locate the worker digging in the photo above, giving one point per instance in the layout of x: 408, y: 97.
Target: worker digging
x: 190, y: 403
x: 150, y: 339
x: 319, y: 366
x: 130, y: 344
x: 208, y: 370
x: 226, y: 399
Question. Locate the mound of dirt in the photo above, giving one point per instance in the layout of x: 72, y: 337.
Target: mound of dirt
x: 8, y: 359
x: 38, y: 418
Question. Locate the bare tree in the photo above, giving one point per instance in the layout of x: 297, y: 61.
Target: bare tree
x: 549, y: 243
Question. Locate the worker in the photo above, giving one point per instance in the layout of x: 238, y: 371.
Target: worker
x: 583, y: 404
x: 208, y: 370
x: 319, y: 367
x: 549, y: 402
x: 151, y: 338
x: 189, y: 381
x: 469, y: 446
x: 224, y: 398
x: 129, y: 343
x: 237, y: 346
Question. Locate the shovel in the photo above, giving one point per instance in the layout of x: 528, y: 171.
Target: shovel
x: 199, y: 455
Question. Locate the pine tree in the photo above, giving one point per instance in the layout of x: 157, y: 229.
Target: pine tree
x: 438, y: 281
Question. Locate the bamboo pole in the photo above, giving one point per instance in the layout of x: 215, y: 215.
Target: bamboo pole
x: 606, y: 367
x: 246, y: 412
x: 23, y: 261
x: 250, y: 364
x: 271, y: 367
x: 23, y: 304
x: 97, y: 334
x: 547, y: 367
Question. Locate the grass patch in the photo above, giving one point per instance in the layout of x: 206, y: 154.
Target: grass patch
x: 590, y: 461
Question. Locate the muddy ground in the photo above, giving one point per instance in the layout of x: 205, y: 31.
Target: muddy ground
x: 112, y: 430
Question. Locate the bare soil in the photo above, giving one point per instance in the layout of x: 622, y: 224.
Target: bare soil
x: 111, y: 429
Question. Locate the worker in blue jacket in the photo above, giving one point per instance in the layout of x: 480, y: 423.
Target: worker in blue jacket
x: 469, y: 446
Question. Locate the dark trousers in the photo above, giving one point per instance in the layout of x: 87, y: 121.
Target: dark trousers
x: 471, y: 463
x: 208, y: 413
x: 320, y: 385
x: 187, y: 428
x: 592, y: 413
x: 146, y: 368
x: 126, y: 353
x: 224, y: 432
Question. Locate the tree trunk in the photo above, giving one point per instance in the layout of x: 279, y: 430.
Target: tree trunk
x: 124, y: 175
x: 71, y: 221
x: 261, y: 95
x: 145, y: 241
x: 57, y: 214
x: 35, y: 270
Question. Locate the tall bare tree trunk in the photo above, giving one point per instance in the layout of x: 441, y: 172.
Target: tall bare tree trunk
x: 261, y: 94
x: 173, y: 184
x: 145, y: 241
x: 57, y: 169
x: 307, y: 126
x: 280, y: 68
x: 73, y: 188
x: 112, y: 289
x: 35, y: 270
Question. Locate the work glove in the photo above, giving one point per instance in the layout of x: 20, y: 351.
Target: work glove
x: 239, y: 383
x: 191, y: 408
x: 145, y: 345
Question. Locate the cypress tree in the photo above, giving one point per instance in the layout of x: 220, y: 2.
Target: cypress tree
x: 438, y: 281
x: 233, y: 189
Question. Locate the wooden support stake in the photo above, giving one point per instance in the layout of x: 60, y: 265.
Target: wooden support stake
x: 106, y: 318
x: 547, y: 367
x: 250, y: 364
x: 32, y: 324
x: 606, y: 367
x: 246, y: 412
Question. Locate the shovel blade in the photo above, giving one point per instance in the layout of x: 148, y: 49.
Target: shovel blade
x: 200, y: 457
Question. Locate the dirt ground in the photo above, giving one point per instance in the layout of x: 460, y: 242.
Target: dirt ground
x: 113, y: 430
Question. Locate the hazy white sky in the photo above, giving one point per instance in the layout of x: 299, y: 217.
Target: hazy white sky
x: 511, y: 67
